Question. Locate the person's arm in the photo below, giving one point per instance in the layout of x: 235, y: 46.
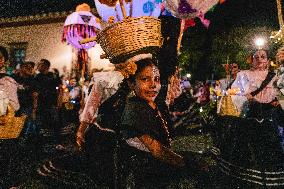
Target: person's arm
x: 80, y: 135
x: 161, y: 152
x: 11, y: 87
x: 241, y: 84
x: 88, y: 115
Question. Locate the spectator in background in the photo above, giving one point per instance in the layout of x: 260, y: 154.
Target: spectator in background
x: 224, y: 84
x: 56, y: 73
x: 185, y: 84
x: 25, y: 79
x: 73, y: 105
x: 49, y: 100
x: 65, y: 72
x: 27, y: 95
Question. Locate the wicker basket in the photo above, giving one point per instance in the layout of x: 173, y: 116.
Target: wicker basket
x: 11, y: 126
x: 130, y: 37
x: 226, y: 107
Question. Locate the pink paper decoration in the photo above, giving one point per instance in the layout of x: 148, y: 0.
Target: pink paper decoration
x: 188, y: 9
x: 80, y: 25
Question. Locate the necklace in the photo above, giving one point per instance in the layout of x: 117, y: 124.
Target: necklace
x: 164, y: 125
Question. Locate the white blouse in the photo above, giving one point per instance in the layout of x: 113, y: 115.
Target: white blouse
x: 105, y: 85
x: 248, y: 81
x: 9, y: 87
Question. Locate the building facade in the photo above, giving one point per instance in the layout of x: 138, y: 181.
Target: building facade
x: 31, y: 38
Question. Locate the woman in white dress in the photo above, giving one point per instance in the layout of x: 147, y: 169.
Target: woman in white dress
x: 252, y: 145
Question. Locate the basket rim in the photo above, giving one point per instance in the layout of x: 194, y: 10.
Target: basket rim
x: 124, y: 21
x: 121, y: 52
x: 123, y: 57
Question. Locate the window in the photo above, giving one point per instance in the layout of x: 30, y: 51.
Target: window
x: 17, y: 53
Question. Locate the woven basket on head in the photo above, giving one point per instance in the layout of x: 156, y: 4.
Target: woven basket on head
x: 130, y: 37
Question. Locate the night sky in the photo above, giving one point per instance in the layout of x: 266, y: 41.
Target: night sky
x: 229, y: 14
x: 246, y: 13
x: 11, y: 8
x: 232, y: 12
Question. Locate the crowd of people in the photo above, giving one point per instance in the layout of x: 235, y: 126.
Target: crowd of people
x: 123, y: 122
x: 46, y: 100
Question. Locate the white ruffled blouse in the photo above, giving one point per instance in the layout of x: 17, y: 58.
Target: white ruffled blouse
x: 9, y: 87
x: 248, y: 81
x: 105, y: 85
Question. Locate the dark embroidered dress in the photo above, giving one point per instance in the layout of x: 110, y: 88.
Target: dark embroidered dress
x: 140, y: 119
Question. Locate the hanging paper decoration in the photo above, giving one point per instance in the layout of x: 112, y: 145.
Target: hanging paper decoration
x: 79, y: 25
x: 134, y: 8
x: 188, y: 23
x: 187, y: 9
x: 146, y: 8
x: 164, y: 11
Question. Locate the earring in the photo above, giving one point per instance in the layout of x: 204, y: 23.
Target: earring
x: 132, y: 94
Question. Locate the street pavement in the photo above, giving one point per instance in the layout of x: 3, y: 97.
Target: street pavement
x: 41, y: 164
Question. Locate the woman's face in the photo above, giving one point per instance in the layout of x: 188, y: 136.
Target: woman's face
x: 147, y: 83
x: 260, y: 61
x: 2, y: 60
x: 234, y: 69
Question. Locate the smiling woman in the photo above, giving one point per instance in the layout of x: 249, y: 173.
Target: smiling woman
x: 145, y: 131
x: 146, y: 82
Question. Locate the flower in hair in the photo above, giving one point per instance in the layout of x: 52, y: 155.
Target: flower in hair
x: 126, y: 69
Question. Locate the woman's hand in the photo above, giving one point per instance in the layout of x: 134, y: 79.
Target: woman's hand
x: 80, y: 139
x: 80, y: 135
x: 249, y: 97
x: 161, y: 152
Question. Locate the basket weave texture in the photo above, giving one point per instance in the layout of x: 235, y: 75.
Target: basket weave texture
x: 11, y: 126
x: 130, y: 37
x: 227, y: 107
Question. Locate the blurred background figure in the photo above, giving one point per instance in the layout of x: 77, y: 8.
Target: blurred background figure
x: 224, y: 84
x: 49, y: 100
x: 27, y: 97
x: 185, y: 84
